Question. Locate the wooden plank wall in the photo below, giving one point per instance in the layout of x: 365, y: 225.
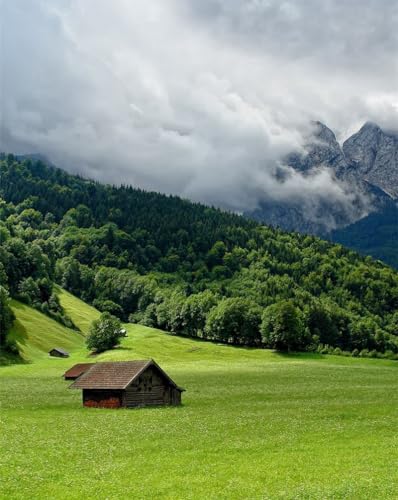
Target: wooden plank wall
x: 149, y: 389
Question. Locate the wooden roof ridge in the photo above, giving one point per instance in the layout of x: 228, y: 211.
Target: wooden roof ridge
x: 98, y: 369
x: 59, y: 349
x: 148, y: 363
x: 76, y: 368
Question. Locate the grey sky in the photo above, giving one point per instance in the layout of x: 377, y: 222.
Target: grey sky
x: 198, y: 98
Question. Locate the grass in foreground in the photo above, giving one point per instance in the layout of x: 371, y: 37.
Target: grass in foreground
x: 253, y: 425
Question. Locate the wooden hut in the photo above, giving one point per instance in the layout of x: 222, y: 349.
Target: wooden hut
x: 128, y: 384
x: 76, y: 370
x: 57, y: 352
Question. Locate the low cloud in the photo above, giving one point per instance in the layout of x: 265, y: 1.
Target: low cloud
x: 201, y: 99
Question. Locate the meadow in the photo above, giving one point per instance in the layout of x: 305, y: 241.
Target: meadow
x: 253, y: 424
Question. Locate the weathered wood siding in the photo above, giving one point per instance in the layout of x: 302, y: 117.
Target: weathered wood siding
x: 150, y: 389
x: 175, y: 396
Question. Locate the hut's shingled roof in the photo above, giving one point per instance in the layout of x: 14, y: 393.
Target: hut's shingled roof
x: 115, y: 375
x: 58, y: 349
x: 77, y: 370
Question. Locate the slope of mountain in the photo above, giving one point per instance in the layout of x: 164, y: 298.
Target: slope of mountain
x: 82, y: 314
x: 375, y: 235
x: 36, y: 333
x: 185, y: 268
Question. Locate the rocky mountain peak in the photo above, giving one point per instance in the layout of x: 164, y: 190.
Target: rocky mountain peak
x: 373, y: 156
x: 321, y: 150
x: 324, y: 134
x: 370, y: 156
x: 369, y: 128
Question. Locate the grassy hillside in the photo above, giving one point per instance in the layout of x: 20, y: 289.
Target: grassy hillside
x: 81, y: 313
x: 254, y: 424
x: 36, y: 333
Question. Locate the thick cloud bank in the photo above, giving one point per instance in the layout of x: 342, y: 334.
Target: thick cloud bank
x: 198, y: 98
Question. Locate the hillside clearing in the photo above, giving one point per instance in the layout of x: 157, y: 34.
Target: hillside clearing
x: 81, y: 313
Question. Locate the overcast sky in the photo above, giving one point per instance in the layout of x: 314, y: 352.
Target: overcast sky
x: 195, y: 97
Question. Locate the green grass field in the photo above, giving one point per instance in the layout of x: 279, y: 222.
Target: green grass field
x: 254, y: 424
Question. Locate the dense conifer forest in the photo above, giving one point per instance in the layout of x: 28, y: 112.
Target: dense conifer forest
x: 186, y: 268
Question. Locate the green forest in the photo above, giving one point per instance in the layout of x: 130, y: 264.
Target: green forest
x: 375, y: 235
x: 186, y: 268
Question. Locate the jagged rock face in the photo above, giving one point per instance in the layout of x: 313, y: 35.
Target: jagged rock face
x: 367, y: 165
x: 372, y: 155
x: 321, y: 150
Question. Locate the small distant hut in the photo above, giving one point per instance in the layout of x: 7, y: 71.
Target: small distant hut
x: 75, y: 371
x: 128, y: 384
x: 57, y: 352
